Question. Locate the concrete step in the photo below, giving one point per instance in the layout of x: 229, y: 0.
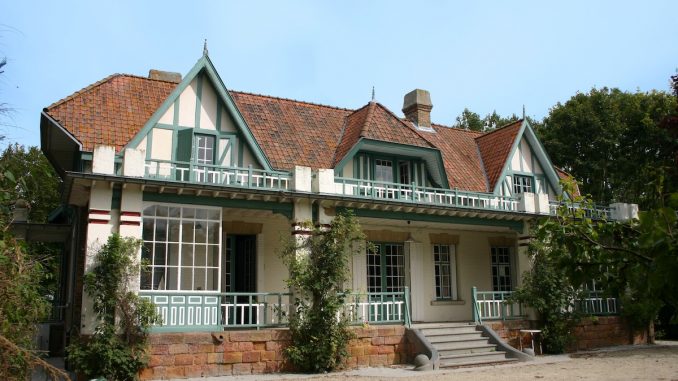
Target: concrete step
x: 473, y: 363
x: 448, y: 330
x: 443, y: 325
x: 468, y: 350
x: 455, y: 337
x: 471, y: 358
x: 461, y: 344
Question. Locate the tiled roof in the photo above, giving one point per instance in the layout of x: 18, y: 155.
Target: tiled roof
x: 494, y: 149
x: 567, y: 176
x: 374, y: 121
x: 460, y: 156
x: 292, y: 132
x: 111, y: 111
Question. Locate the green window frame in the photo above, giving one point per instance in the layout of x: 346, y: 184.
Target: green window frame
x: 385, y: 267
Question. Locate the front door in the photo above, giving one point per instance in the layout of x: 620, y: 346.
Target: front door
x: 240, y: 277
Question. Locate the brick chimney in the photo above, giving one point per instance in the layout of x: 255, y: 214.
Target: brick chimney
x: 168, y: 76
x: 417, y: 108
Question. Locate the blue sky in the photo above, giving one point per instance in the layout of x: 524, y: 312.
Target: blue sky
x: 485, y: 55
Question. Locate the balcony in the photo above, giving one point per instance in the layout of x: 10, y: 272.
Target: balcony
x: 411, y: 193
x: 216, y: 175
x: 182, y: 311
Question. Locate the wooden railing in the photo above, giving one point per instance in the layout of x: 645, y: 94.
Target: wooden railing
x: 212, y: 174
x: 208, y: 311
x: 494, y: 305
x: 423, y: 195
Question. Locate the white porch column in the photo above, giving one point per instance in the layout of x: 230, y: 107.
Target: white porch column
x: 526, y: 203
x: 416, y: 257
x: 131, y: 205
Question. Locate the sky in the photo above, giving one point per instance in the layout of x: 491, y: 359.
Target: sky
x: 483, y: 55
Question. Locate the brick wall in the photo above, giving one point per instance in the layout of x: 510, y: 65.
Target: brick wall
x: 590, y: 333
x: 179, y: 355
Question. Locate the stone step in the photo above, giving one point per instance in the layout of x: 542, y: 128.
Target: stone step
x: 441, y: 343
x: 471, y: 349
x: 443, y: 325
x: 448, y: 330
x: 475, y: 363
x: 455, y: 337
x: 471, y: 358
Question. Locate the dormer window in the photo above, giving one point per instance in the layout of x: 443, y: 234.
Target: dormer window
x: 522, y: 184
x: 205, y: 149
x: 383, y: 170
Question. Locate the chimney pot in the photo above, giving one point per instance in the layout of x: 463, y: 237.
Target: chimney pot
x: 417, y: 108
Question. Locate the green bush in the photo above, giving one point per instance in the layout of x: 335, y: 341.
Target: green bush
x: 318, y: 268
x: 117, y: 349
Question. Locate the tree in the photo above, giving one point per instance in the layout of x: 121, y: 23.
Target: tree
x: 39, y: 185
x: 318, y: 269
x: 469, y: 120
x: 635, y: 260
x: 117, y: 349
x: 612, y: 141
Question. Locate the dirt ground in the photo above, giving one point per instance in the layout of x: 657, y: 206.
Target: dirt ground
x: 658, y: 363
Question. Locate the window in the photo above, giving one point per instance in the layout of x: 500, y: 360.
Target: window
x: 404, y: 172
x: 445, y: 272
x: 205, y: 149
x: 502, y: 279
x: 522, y: 184
x: 181, y: 247
x: 383, y: 170
x: 386, y: 268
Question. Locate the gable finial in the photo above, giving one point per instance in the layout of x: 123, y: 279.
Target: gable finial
x: 204, y: 48
x: 373, y: 94
x: 523, y: 111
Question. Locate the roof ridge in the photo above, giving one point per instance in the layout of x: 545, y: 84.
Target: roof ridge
x: 501, y: 128
x: 458, y: 129
x: 368, y: 118
x: 291, y: 100
x: 98, y: 83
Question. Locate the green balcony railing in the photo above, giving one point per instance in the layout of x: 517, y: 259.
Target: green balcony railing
x: 212, y: 311
x: 419, y: 194
x: 597, y: 303
x: 378, y: 307
x: 594, y: 212
x: 213, y: 174
x: 494, y: 305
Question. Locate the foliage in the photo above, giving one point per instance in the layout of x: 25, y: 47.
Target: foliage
x: 22, y: 305
x: 547, y: 289
x: 39, y: 185
x: 117, y: 349
x: 616, y: 143
x: 470, y: 120
x: 318, y: 267
x: 635, y: 260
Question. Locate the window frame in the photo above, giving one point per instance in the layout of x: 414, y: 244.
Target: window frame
x: 523, y: 184
x: 507, y: 252
x: 180, y: 244
x: 383, y: 275
x: 451, y: 265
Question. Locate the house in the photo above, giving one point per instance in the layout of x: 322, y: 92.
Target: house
x: 210, y: 180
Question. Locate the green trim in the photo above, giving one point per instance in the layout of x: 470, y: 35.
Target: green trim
x: 205, y: 64
x: 218, y: 122
x: 548, y: 170
x: 175, y: 117
x: 404, y: 216
x: 281, y: 208
x: 116, y: 198
x: 241, y: 147
x: 416, y: 153
x: 164, y: 126
x: 198, y: 102
x: 149, y: 144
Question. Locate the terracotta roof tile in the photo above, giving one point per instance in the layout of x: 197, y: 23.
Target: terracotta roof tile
x: 111, y: 111
x: 462, y: 162
x: 494, y: 149
x: 292, y: 132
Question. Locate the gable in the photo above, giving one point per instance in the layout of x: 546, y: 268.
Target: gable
x: 200, y: 122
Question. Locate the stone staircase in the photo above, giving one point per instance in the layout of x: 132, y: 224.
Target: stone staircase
x: 461, y: 345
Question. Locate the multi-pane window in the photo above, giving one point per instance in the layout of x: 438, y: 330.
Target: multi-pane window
x: 386, y: 267
x: 181, y: 248
x: 404, y: 172
x: 522, y: 184
x: 205, y: 149
x: 445, y: 271
x: 383, y: 170
x: 502, y: 279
